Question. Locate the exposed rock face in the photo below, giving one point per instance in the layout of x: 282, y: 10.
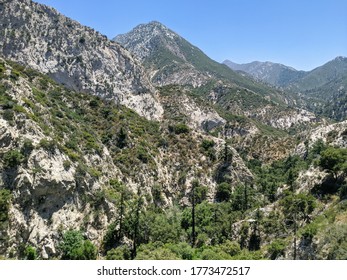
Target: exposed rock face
x: 285, y: 119
x: 334, y: 134
x: 74, y: 55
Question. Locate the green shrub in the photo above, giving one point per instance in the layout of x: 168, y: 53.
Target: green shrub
x: 8, y: 115
x: 12, y: 159
x: 5, y: 198
x: 75, y: 247
x: 67, y: 164
x: 223, y: 192
x: 334, y: 160
x: 14, y: 75
x: 155, y: 251
x: 28, y: 147
x: 183, y: 250
x: 230, y: 247
x: 180, y: 128
x: 207, y: 144
x: 30, y: 253
x: 212, y: 253
x: 309, y: 231
x: 119, y: 253
x: 276, y: 249
x: 48, y: 145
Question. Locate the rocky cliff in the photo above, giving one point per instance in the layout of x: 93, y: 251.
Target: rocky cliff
x: 74, y: 55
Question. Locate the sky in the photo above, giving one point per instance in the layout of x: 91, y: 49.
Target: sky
x: 303, y: 34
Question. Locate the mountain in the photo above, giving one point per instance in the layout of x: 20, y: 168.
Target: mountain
x: 333, y: 70
x: 65, y: 157
x: 74, y: 55
x: 321, y: 90
x: 170, y: 59
x: 100, y: 160
x: 269, y: 72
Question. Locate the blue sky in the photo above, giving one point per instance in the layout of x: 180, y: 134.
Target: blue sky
x: 303, y: 34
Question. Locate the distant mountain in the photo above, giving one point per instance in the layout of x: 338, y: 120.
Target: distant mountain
x: 170, y: 59
x: 269, y: 72
x: 333, y: 70
x: 322, y: 89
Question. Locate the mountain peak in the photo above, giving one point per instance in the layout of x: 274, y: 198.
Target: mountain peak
x: 152, y: 25
x: 340, y: 58
x: 145, y: 38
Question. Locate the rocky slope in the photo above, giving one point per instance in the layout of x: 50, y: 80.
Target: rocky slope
x: 74, y: 55
x: 62, y: 151
x: 169, y: 58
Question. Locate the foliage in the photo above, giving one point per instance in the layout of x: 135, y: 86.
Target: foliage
x: 155, y: 251
x: 223, y: 192
x: 75, y: 247
x: 335, y: 242
x: 276, y: 248
x: 27, y: 147
x: 48, y: 145
x: 179, y: 128
x: 298, y: 206
x: 120, y: 253
x: 80, y: 126
x: 5, y: 199
x: 12, y: 158
x: 334, y: 160
x: 309, y: 231
x: 208, y: 148
x: 30, y: 253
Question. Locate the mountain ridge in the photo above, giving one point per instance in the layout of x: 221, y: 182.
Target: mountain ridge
x: 321, y: 90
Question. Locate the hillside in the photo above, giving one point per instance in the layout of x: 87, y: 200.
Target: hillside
x: 69, y: 161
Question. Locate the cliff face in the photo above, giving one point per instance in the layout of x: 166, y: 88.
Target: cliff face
x: 74, y: 55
